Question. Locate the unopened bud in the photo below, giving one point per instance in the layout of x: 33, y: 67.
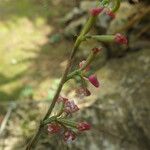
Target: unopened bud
x: 93, y: 80
x: 53, y: 128
x: 120, y: 39
x: 83, y: 126
x: 96, y: 50
x: 69, y: 136
x: 96, y: 11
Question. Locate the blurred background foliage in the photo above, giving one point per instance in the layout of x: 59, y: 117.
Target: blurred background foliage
x: 35, y: 39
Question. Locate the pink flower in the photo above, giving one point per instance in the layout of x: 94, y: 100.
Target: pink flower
x: 53, y: 128
x: 96, y: 11
x: 83, y: 91
x: 120, y: 39
x: 70, y: 107
x: 62, y: 99
x: 93, y: 80
x: 111, y: 14
x: 83, y: 126
x: 96, y: 50
x: 69, y: 136
x: 82, y: 63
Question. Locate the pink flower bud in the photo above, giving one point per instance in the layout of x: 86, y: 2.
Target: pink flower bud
x: 69, y: 136
x: 93, y: 80
x: 96, y: 50
x: 70, y: 107
x: 82, y: 126
x: 81, y: 65
x: 53, y: 128
x: 120, y: 39
x: 111, y: 14
x: 96, y: 11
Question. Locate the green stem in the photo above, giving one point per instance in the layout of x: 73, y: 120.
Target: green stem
x: 88, y: 26
x: 117, y: 5
x: 105, y: 2
x: 102, y: 38
x: 67, y: 122
x: 88, y: 61
x: 49, y: 120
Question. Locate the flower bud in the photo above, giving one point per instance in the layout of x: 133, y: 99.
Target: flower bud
x: 83, y: 126
x: 69, y: 136
x: 62, y: 99
x: 96, y: 50
x: 120, y: 39
x: 111, y: 14
x: 70, y: 107
x: 53, y: 128
x: 93, y: 80
x: 96, y: 11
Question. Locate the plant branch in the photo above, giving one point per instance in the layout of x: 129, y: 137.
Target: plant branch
x: 40, y: 129
x: 84, y: 31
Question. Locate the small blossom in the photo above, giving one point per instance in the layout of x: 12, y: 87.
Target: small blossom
x: 83, y: 126
x: 62, y: 99
x: 96, y: 11
x: 93, y: 80
x: 111, y: 14
x: 70, y: 107
x: 69, y: 136
x: 96, y: 50
x: 53, y: 128
x: 83, y: 91
x: 121, y: 39
x: 82, y: 63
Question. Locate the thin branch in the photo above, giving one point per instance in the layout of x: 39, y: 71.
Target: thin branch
x: 6, y: 118
x: 40, y: 129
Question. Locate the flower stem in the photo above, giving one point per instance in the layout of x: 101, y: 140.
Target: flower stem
x: 78, y: 71
x: 34, y: 140
x: 117, y: 5
x: 84, y: 31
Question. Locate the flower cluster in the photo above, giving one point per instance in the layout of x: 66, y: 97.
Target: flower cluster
x: 86, y: 76
x: 98, y: 10
x: 63, y: 126
x: 61, y: 123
